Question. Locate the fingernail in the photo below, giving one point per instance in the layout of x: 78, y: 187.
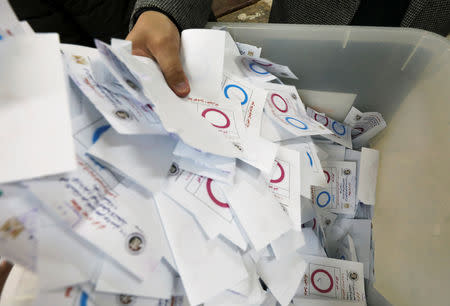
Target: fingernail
x: 182, y: 87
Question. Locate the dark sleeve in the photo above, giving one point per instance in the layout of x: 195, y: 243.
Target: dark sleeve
x: 102, y: 19
x: 186, y: 14
x: 44, y: 17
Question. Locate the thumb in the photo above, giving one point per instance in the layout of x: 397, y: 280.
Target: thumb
x: 168, y: 59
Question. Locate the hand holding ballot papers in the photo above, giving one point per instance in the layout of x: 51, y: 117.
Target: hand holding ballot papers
x: 116, y: 191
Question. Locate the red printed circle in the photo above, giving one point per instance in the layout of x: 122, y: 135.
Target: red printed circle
x: 328, y: 176
x: 321, y: 117
x: 262, y: 64
x: 212, y: 197
x: 327, y: 274
x: 227, y: 124
x: 358, y: 131
x: 272, y: 98
x: 281, y: 178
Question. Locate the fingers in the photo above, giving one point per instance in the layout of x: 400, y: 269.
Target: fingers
x: 168, y: 57
x: 156, y: 36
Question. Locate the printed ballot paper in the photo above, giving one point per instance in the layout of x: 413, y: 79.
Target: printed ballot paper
x: 176, y: 116
x: 327, y: 278
x: 203, y: 198
x: 122, y: 110
x: 148, y: 161
x: 206, y: 267
x: 285, y: 183
x: 340, y: 194
x: 285, y: 108
x: 34, y: 109
x: 365, y: 126
x: 341, y: 133
x: 262, y: 69
x: 234, y: 195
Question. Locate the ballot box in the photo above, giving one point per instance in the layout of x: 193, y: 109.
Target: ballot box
x: 403, y: 74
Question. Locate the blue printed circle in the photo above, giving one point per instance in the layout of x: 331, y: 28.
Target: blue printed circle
x: 252, y: 67
x: 99, y: 132
x: 310, y: 159
x: 323, y: 204
x: 288, y: 120
x: 342, y: 126
x: 225, y: 91
x: 84, y: 299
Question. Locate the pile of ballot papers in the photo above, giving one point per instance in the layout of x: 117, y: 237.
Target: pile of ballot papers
x: 115, y: 191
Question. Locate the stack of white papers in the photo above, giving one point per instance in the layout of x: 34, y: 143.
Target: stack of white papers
x: 116, y: 191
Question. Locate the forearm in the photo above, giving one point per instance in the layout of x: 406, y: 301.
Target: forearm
x: 185, y: 13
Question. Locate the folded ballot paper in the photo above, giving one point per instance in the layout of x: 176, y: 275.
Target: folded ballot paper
x: 115, y: 191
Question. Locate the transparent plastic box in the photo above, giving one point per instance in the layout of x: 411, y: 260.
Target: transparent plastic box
x: 405, y: 75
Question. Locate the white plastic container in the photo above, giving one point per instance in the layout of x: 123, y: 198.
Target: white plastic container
x: 405, y: 75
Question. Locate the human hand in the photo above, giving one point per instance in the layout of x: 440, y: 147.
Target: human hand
x: 154, y: 35
x: 5, y: 268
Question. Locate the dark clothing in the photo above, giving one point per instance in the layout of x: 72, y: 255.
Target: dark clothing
x: 430, y: 15
x: 383, y: 13
x: 77, y: 21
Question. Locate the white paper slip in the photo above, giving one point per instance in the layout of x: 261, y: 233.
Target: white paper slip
x: 311, y: 168
x: 204, y: 164
x: 224, y: 116
x: 271, y: 131
x: 263, y: 70
x: 158, y: 280
x: 285, y: 183
x: 341, y: 133
x: 251, y: 99
x: 145, y: 159
x: 365, y: 126
x: 261, y: 154
x: 227, y: 118
x: 123, y: 112
x: 177, y: 117
x: 158, y: 283
x: 327, y: 278
x: 19, y: 222
x: 288, y: 243
x: 7, y: 15
x: 334, y: 152
x: 231, y: 66
x: 367, y: 176
x: 206, y: 267
x: 249, y: 50
x: 259, y: 214
x: 340, y: 194
x: 84, y: 202
x: 312, y: 245
x: 346, y: 249
x: 60, y: 267
x: 193, y: 166
x: 285, y: 108
x: 64, y: 297
x: 320, y: 302
x: 283, y: 276
x: 105, y: 299
x: 361, y: 234
x: 87, y: 130
x: 203, y: 198
x: 250, y: 287
x: 34, y: 113
x: 222, y: 163
x: 334, y: 104
x: 202, y: 57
